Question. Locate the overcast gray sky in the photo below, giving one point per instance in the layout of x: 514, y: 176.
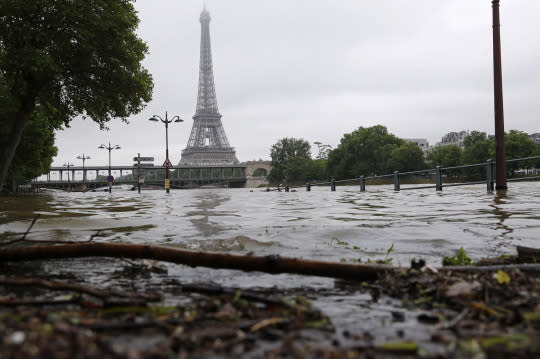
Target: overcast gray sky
x: 317, y: 69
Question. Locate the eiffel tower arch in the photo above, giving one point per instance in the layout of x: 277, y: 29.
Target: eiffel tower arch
x: 208, y: 144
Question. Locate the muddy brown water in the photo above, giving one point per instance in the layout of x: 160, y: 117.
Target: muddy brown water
x: 345, y: 225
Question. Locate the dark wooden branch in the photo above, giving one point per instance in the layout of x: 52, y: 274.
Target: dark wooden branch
x: 528, y: 254
x: 270, y: 264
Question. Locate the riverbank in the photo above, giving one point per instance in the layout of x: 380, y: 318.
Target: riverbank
x: 485, y: 312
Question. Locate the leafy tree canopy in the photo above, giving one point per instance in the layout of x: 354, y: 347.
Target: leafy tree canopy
x: 365, y: 151
x: 445, y: 156
x: 407, y: 157
x: 286, y: 155
x: 477, y: 148
x: 63, y: 58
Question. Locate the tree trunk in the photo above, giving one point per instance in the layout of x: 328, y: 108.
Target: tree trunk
x: 21, y: 119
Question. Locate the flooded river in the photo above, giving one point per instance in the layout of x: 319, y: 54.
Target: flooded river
x: 344, y: 225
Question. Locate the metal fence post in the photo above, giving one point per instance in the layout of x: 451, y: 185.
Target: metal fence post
x: 362, y: 184
x: 308, y: 187
x: 396, y: 180
x: 489, y: 175
x: 333, y: 185
x: 438, y: 179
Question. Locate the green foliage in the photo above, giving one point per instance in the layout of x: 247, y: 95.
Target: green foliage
x: 478, y: 149
x: 445, y: 156
x: 80, y: 57
x: 386, y: 259
x: 459, y: 259
x: 34, y: 156
x: 291, y: 162
x: 365, y: 151
x: 407, y: 157
x: 518, y: 145
x: 62, y: 59
x: 35, y: 153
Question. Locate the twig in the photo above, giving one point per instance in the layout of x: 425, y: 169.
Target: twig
x: 93, y: 236
x: 30, y: 227
x: 23, y: 238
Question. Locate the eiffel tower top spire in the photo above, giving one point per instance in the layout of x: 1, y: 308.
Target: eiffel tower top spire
x: 206, y: 100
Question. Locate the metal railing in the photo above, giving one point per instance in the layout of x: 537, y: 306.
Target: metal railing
x: 437, y: 172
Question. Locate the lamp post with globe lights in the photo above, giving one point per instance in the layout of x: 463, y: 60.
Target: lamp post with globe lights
x: 83, y: 158
x: 167, y: 163
x: 68, y: 165
x: 109, y: 148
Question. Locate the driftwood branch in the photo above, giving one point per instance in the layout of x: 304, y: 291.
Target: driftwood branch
x: 270, y: 264
x: 273, y: 264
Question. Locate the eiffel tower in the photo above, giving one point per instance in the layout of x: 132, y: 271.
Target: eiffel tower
x: 207, y: 144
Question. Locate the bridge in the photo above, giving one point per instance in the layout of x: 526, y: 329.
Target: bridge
x: 248, y: 174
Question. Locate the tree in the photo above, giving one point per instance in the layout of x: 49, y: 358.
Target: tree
x: 476, y: 148
x: 446, y: 156
x: 35, y: 153
x: 286, y: 154
x: 407, y: 157
x: 365, y: 151
x: 63, y: 59
x: 518, y: 145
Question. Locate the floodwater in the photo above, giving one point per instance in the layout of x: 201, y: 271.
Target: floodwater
x: 343, y: 225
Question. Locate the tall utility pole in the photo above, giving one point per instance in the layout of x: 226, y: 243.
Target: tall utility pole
x: 500, y: 156
x: 167, y: 162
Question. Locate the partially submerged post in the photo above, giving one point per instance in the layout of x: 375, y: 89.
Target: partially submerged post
x: 500, y: 157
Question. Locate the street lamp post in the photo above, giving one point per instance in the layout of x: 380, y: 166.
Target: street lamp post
x: 167, y: 163
x: 83, y: 158
x: 68, y: 165
x: 109, y: 148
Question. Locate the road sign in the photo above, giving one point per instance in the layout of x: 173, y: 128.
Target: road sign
x: 143, y: 165
x: 143, y: 159
x: 167, y: 163
x: 110, y: 179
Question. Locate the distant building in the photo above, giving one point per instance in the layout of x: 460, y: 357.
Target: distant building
x: 454, y: 138
x: 421, y: 142
x: 535, y: 137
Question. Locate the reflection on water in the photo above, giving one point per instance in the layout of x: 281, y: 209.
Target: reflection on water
x: 498, y: 205
x: 342, y: 225
x: 205, y: 207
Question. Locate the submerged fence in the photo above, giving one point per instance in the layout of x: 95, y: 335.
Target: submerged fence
x: 439, y: 173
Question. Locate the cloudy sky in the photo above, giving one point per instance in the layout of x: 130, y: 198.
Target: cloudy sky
x: 317, y: 69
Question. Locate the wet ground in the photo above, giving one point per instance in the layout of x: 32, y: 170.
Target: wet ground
x: 409, y: 313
